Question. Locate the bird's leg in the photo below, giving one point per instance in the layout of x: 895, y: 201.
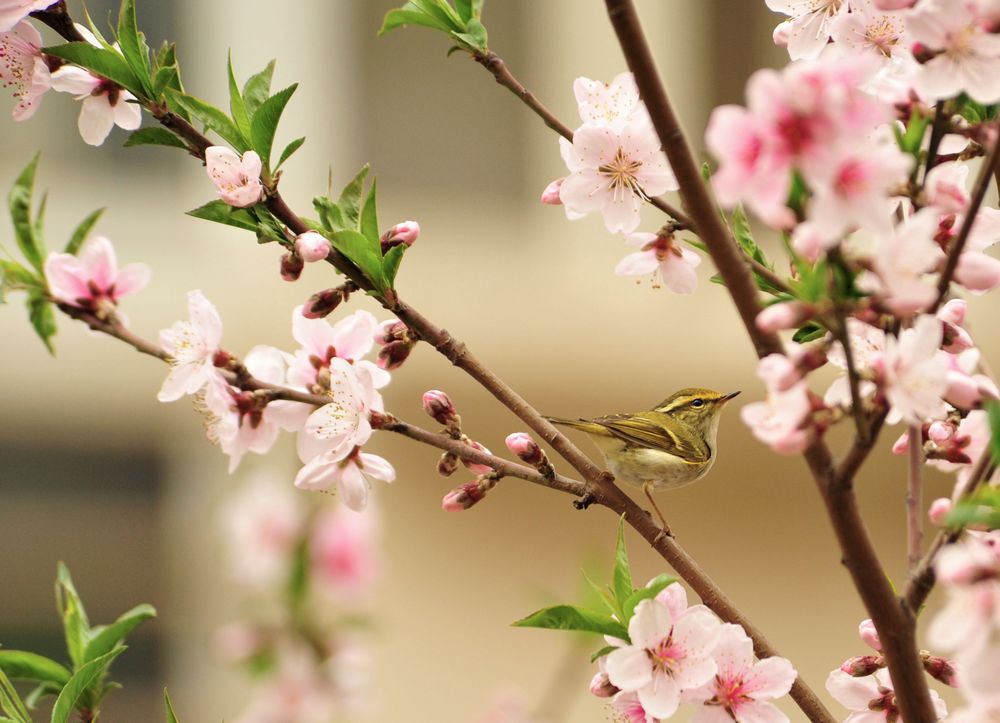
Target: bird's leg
x: 647, y: 488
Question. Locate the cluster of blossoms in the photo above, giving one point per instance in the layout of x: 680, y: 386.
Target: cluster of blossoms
x: 686, y: 655
x: 309, y: 574
x: 616, y: 165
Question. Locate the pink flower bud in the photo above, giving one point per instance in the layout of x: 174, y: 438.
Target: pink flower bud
x: 778, y: 372
x: 464, y: 496
x: 939, y: 511
x: 447, y: 465
x: 783, y: 315
x: 550, y: 195
x: 901, y: 445
x: 962, y: 391
x: 940, y: 432
x: 392, y: 355
x: 473, y: 466
x: 781, y: 33
x: 940, y: 669
x: 312, y: 247
x: 894, y: 4
x: 390, y: 330
x: 221, y: 359
x: 953, y: 312
x: 863, y: 665
x: 402, y: 233
x: 869, y: 635
x: 977, y: 272
x: 525, y: 448
x: 291, y: 266
x: 602, y: 687
x: 322, y: 303
x: 438, y: 405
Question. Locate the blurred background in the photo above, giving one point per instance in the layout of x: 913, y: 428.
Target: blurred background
x: 96, y: 472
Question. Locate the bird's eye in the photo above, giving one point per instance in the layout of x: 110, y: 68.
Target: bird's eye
x: 698, y: 403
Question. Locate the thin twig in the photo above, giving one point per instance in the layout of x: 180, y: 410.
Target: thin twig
x: 914, y: 498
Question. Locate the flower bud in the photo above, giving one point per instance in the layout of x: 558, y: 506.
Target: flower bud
x: 291, y: 266
x: 392, y: 355
x: 402, y: 233
x: 977, y: 272
x: 953, y: 312
x: 863, y: 665
x: 438, y: 405
x: 311, y: 246
x: 525, y: 448
x: 390, y: 330
x: 221, y: 359
x: 322, y: 303
x: 447, y: 465
x: 473, y: 466
x: 602, y: 687
x: 901, y: 445
x: 550, y: 196
x: 939, y: 511
x: 962, y: 391
x: 783, y: 315
x: 940, y: 432
x: 465, y: 496
x: 869, y: 635
x: 939, y: 668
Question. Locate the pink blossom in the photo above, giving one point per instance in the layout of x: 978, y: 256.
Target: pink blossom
x: 320, y: 342
x: 952, y: 315
x: 14, y: 11
x: 236, y: 179
x: 350, y: 472
x: 902, y: 262
x: 810, y: 243
x: 781, y: 422
x: 662, y: 257
x: 970, y: 439
x: 809, y: 25
x: 92, y: 277
x: 613, y: 170
x: 312, y: 247
x: 191, y: 345
x: 970, y: 572
x: 404, y: 232
x: 475, y: 467
x: 628, y: 709
x: 609, y: 104
x: 869, y: 635
x: 600, y: 686
x: 867, y: 28
x: 945, y: 187
x: 783, y: 315
x: 262, y: 523
x: 23, y: 68
x: 742, y: 688
x: 939, y: 511
x: 344, y: 554
x: 872, y: 698
x: 335, y: 429
x: 550, y: 195
x: 666, y: 656
x: 915, y: 373
x: 299, y: 689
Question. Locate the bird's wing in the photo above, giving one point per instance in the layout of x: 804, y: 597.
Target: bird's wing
x: 646, y: 433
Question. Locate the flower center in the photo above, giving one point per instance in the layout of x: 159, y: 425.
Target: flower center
x: 622, y: 173
x: 729, y: 694
x: 883, y: 34
x: 665, y: 656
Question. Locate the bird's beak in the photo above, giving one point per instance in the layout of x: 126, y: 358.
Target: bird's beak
x: 730, y: 396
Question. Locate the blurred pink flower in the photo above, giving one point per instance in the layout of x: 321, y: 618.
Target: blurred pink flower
x: 23, y: 69
x: 344, y: 553
x: 14, y: 11
x: 808, y: 28
x: 871, y: 698
x: 915, y: 373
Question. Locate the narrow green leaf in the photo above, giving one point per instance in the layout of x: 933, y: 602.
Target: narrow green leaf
x: 257, y: 89
x: 88, y: 675
x: 369, y: 220
x: 43, y: 319
x: 652, y: 589
x: 154, y: 136
x: 22, y: 665
x: 993, y: 412
x: 236, y: 105
x: 330, y: 215
x: 133, y: 45
x: 603, y: 594
x: 211, y: 117
x: 441, y: 10
x: 265, y: 122
x: 602, y: 652
x: 464, y: 8
x: 390, y: 264
x: 570, y: 617
x: 19, y: 203
x: 15, y: 277
x: 103, y: 62
x: 622, y: 576
x: 10, y: 702
x: 223, y: 213
x: 171, y: 716
x: 76, y: 626
x: 104, y: 639
x: 33, y: 698
x: 357, y: 248
x: 810, y: 331
x: 289, y: 150
x: 165, y: 77
x: 474, y: 36
x: 350, y: 198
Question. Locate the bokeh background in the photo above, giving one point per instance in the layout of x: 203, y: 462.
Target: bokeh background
x: 96, y: 472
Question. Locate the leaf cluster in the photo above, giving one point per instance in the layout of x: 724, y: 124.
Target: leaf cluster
x: 461, y: 23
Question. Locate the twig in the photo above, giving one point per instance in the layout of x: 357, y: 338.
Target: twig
x: 937, y: 133
x: 914, y: 498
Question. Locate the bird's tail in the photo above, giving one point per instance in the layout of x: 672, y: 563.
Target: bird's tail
x: 582, y: 424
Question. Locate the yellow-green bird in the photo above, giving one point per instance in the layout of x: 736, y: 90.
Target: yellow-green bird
x: 669, y: 446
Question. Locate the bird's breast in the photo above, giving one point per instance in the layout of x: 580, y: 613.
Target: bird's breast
x: 638, y: 465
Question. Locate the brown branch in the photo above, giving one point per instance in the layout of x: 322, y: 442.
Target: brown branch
x: 986, y: 171
x: 57, y: 17
x: 914, y: 498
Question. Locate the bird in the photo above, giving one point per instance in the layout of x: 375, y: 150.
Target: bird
x: 669, y: 446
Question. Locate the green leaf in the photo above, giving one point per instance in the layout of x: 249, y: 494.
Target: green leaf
x: 210, y: 116
x: 441, y: 10
x: 76, y: 626
x: 464, y: 8
x: 993, y: 413
x: 133, y: 45
x: 265, y: 122
x: 570, y: 617
x: 474, y: 36
x: 390, y: 264
x: 105, y: 638
x: 622, y: 576
x: 171, y: 716
x: 15, y: 277
x: 83, y: 679
x: 369, y: 220
x: 22, y: 665
x: 604, y: 595
x: 43, y: 319
x: 38, y: 692
x: 602, y: 652
x: 168, y: 73
x: 103, y: 62
x: 358, y: 249
x: 236, y: 105
x: 10, y: 702
x: 258, y: 88
x: 19, y: 203
x: 810, y: 331
x: 652, y: 589
x: 330, y: 215
x: 350, y: 197
x: 223, y: 213
x: 154, y: 136
x: 82, y: 230
x: 404, y: 16
x: 289, y: 150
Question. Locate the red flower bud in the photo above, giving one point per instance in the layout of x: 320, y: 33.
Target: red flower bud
x: 438, y: 405
x: 291, y: 266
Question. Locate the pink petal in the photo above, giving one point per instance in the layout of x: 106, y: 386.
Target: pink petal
x: 660, y: 698
x: 354, y: 336
x: 377, y: 467
x: 205, y: 317
x: 353, y: 488
x: 66, y: 277
x: 132, y: 278
x: 853, y: 693
x: 770, y: 678
x: 74, y: 80
x: 266, y: 363
x: 649, y: 625
x: 128, y: 116
x: 99, y: 259
x: 759, y: 712
x: 678, y: 275
x: 629, y: 668
x: 640, y: 263
x: 97, y: 118
x: 733, y: 652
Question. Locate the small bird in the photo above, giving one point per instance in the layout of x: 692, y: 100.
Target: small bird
x: 669, y: 446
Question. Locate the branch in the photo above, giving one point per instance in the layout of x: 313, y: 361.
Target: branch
x: 914, y: 502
